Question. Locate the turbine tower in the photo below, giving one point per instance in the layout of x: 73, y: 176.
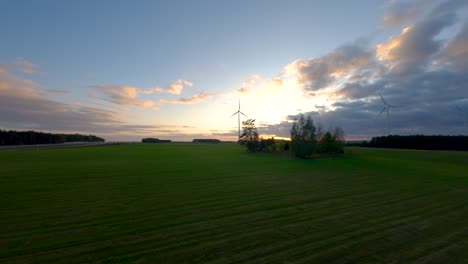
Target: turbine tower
x: 386, y: 109
x: 238, y: 120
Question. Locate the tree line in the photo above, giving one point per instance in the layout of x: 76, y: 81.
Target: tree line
x: 419, y: 142
x: 154, y: 140
x: 306, y: 139
x: 33, y: 137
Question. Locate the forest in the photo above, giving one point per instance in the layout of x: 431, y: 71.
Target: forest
x: 33, y: 137
x: 419, y: 142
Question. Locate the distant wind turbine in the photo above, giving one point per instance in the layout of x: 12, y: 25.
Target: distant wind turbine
x: 386, y: 109
x: 238, y: 119
x: 464, y: 114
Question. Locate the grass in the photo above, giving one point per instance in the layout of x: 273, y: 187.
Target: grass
x: 177, y: 203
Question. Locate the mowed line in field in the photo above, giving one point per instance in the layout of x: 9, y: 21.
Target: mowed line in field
x: 214, y: 208
x: 254, y: 208
x: 128, y: 246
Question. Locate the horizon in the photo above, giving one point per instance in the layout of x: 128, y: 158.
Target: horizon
x: 126, y: 71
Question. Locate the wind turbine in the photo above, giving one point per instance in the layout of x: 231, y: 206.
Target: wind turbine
x: 238, y: 119
x: 464, y: 114
x: 386, y: 109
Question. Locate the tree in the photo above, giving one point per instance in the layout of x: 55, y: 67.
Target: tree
x: 320, y: 132
x: 338, y: 135
x: 303, y: 137
x: 249, y: 137
x: 332, y: 144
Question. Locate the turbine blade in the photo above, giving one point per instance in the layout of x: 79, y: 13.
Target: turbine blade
x: 383, y: 100
x: 234, y: 114
x: 383, y: 110
x: 243, y: 113
x: 239, y: 104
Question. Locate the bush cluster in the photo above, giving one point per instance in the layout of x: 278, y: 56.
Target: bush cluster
x: 306, y: 139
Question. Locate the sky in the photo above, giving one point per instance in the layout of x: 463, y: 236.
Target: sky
x: 124, y: 70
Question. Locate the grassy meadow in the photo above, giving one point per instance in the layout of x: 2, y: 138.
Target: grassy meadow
x: 186, y: 203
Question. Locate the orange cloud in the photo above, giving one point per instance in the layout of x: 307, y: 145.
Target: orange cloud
x: 12, y: 85
x: 173, y: 88
x: 389, y: 51
x: 249, y: 84
x: 121, y: 95
x: 130, y: 92
x: 129, y: 95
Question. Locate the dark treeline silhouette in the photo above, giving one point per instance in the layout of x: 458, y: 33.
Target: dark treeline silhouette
x: 155, y: 140
x: 419, y: 142
x: 34, y: 138
x: 206, y: 140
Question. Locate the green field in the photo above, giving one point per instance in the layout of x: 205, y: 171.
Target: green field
x: 177, y: 203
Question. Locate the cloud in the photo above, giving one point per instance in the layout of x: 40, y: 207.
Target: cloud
x: 131, y: 96
x: 456, y: 51
x: 281, y: 129
x: 191, y: 100
x: 56, y: 91
x: 124, y: 96
x: 411, y: 50
x: 249, y: 84
x: 26, y: 66
x: 318, y: 73
x: 417, y: 69
x: 231, y: 134
x: 12, y: 85
x: 173, y: 88
x: 23, y: 106
x: 400, y: 13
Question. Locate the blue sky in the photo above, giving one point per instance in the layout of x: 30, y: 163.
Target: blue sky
x: 146, y: 42
x: 121, y: 58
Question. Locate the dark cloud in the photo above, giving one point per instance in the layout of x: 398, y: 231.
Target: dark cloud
x: 317, y: 73
x: 425, y: 74
x: 456, y: 51
x: 427, y: 101
x: 44, y: 114
x: 417, y: 44
x: 280, y: 130
x: 403, y: 12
